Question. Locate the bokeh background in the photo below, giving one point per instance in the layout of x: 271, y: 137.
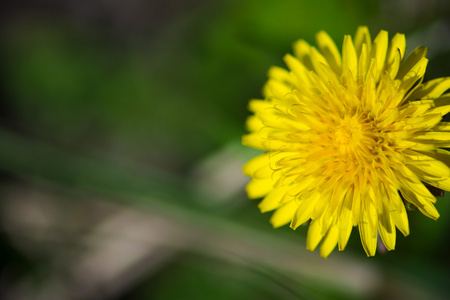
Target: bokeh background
x: 120, y: 154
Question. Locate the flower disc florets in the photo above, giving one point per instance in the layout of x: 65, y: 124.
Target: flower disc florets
x: 348, y: 139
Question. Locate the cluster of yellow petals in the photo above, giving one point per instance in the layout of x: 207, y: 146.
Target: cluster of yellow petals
x: 348, y: 138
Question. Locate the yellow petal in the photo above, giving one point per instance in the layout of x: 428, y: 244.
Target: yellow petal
x: 432, y: 89
x: 369, y: 96
x: 414, y: 74
x: 273, y: 199
x: 253, y: 140
x: 393, y: 67
x: 427, y: 164
x: 329, y: 50
x: 368, y: 226
x: 416, y: 193
x: 329, y: 242
x: 363, y: 63
x: 356, y: 201
x: 253, y: 124
x: 319, y: 208
x: 299, y: 70
x: 442, y: 155
x: 314, y: 236
x: 299, y: 187
x: 275, y: 145
x: 398, y: 211
x: 386, y: 226
x: 443, y: 100
x: 318, y: 61
x: 302, y: 51
x: 442, y: 126
x: 424, y: 146
x: 276, y: 119
x: 258, y: 188
x: 256, y: 105
x: 416, y: 108
x: 304, y: 210
x: 284, y: 214
x: 438, y: 182
x: 362, y: 37
x: 440, y: 109
x: 379, y: 48
x: 417, y: 55
x: 350, y: 60
x: 423, y: 122
x: 433, y: 136
x: 345, y: 222
x: 397, y: 45
x: 277, y: 89
x: 279, y: 74
x: 423, y: 204
x: 255, y: 164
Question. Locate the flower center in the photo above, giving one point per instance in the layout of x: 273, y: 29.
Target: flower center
x: 348, y: 132
x: 348, y: 135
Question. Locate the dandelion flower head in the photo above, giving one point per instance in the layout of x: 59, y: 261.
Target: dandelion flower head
x: 349, y: 138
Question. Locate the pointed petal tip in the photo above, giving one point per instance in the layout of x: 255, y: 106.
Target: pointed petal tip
x: 325, y: 252
x: 293, y: 225
x: 436, y: 216
x: 370, y: 252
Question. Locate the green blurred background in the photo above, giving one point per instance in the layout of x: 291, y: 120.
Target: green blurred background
x: 120, y: 153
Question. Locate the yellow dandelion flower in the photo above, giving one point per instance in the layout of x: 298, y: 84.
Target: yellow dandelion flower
x: 349, y: 139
